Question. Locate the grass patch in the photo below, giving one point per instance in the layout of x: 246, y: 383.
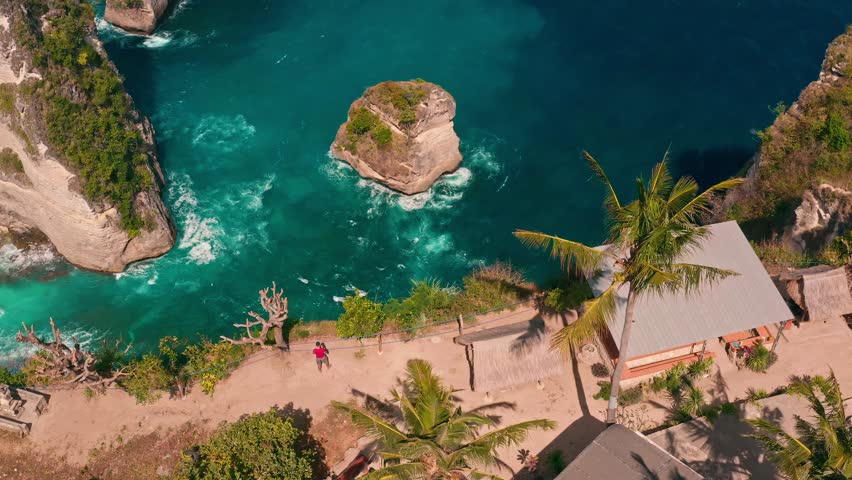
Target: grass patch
x: 10, y: 162
x: 7, y: 98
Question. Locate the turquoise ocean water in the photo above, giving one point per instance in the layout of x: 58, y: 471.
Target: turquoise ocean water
x: 246, y: 100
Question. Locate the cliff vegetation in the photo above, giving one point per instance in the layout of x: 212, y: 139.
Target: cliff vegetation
x: 808, y: 145
x: 80, y: 105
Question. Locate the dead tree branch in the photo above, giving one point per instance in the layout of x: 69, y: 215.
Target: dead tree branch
x: 276, y: 308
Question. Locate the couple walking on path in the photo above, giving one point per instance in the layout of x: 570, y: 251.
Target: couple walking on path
x: 321, y: 353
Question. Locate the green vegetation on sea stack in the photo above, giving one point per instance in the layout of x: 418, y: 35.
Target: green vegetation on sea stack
x: 81, y: 105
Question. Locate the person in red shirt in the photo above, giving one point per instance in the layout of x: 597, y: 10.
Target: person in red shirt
x: 321, y: 352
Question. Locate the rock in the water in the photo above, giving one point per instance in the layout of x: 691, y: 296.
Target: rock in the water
x: 135, y: 15
x: 401, y: 135
x: 825, y: 213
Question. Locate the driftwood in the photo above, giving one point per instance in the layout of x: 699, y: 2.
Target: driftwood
x: 276, y: 309
x: 63, y: 363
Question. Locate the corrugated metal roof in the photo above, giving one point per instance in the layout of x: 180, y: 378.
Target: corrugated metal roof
x: 620, y: 453
x: 748, y: 300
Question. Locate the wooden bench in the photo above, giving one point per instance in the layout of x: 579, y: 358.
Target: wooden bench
x: 663, y: 365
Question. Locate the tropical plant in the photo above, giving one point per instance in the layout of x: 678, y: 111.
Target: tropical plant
x: 759, y: 358
x: 646, y: 239
x: 146, y: 379
x: 822, y: 447
x: 437, y: 439
x: 361, y: 317
x: 263, y: 446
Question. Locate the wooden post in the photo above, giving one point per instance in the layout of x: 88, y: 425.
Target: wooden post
x: 460, y: 320
x: 703, y: 349
x: 778, y: 335
x: 380, y: 344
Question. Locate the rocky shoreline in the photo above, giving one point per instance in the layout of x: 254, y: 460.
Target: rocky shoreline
x: 40, y: 187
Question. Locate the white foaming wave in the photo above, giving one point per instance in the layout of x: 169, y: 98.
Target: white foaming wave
x: 13, y: 352
x: 446, y: 191
x: 170, y: 39
x: 254, y: 192
x: 482, y: 158
x: 222, y: 133
x: 304, y: 280
x: 338, y: 299
x: 200, y: 237
x: 336, y: 170
x: 13, y: 259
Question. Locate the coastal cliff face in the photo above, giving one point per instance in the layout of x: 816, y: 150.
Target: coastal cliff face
x: 77, y: 161
x: 797, y: 195
x: 401, y: 135
x: 135, y: 15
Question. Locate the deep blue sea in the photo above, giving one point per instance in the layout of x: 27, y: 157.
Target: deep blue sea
x: 246, y: 99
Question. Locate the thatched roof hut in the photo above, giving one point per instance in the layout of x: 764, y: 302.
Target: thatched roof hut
x: 511, y: 355
x: 827, y: 294
x: 790, y: 283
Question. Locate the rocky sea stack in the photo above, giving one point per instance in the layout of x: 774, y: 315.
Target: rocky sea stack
x: 401, y: 135
x: 78, y: 162
x: 140, y: 16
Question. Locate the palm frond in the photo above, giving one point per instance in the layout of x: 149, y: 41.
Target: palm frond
x: 611, y: 199
x: 683, y: 191
x: 402, y: 471
x: 596, y: 314
x: 511, y: 435
x: 690, y: 277
x: 700, y: 204
x: 373, y: 425
x: 478, y: 475
x: 661, y: 179
x: 790, y: 455
x: 571, y: 255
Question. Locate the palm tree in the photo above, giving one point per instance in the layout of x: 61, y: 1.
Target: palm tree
x: 821, y: 448
x: 439, y: 441
x: 646, y: 238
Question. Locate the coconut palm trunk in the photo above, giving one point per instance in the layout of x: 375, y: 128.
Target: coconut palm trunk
x: 615, y: 383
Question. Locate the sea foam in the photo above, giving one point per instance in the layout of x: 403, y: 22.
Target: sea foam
x: 222, y: 133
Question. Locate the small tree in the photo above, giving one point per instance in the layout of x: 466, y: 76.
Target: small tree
x: 146, y: 379
x: 361, y: 317
x: 277, y: 322
x: 263, y: 446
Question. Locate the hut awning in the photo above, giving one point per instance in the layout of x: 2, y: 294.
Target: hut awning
x: 748, y: 300
x: 511, y: 355
x: 827, y: 294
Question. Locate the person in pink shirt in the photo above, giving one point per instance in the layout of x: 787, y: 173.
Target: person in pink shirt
x: 321, y: 353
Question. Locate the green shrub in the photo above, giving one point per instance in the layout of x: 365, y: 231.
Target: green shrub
x: 693, y: 402
x: 382, y: 135
x: 728, y: 408
x: 700, y: 368
x: 493, y: 286
x: 210, y: 362
x: 404, y: 99
x: 569, y: 293
x: 13, y: 378
x: 427, y: 302
x: 361, y: 317
x: 262, y: 446
x: 630, y: 396
x: 759, y: 359
x: 362, y: 121
x: 834, y: 132
x: 839, y: 252
x: 7, y: 98
x: 303, y: 334
x: 146, y: 379
x: 600, y: 370
x: 10, y: 162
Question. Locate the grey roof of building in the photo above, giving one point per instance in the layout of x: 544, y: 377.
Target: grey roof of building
x: 737, y: 303
x: 620, y: 453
